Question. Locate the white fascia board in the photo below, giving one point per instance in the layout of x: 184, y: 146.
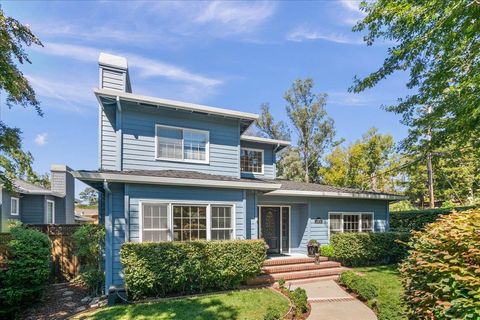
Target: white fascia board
x: 265, y: 140
x: 114, y: 177
x: 174, y: 104
x: 325, y: 194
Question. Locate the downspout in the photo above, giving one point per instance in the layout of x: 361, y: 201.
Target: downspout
x: 108, y: 237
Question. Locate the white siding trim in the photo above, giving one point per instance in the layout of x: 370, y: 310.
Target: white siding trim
x: 263, y: 160
x: 329, y: 194
x: 17, y: 206
x: 53, y: 211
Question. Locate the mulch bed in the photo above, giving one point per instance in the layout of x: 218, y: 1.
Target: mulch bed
x: 59, y: 301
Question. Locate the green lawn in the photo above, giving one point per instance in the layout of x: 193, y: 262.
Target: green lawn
x: 387, y: 280
x: 245, y: 304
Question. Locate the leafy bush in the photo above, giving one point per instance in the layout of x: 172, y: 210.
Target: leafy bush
x: 359, y: 249
x: 358, y: 284
x: 403, y: 205
x: 300, y: 300
x: 441, y: 275
x: 158, y: 269
x: 89, y: 246
x: 327, y: 250
x: 272, y: 314
x: 25, y: 272
x: 417, y: 219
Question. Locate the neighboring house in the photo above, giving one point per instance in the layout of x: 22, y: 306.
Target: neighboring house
x: 86, y: 215
x: 36, y: 205
x: 173, y: 171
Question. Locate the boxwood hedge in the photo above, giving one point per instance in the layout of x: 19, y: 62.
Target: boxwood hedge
x: 361, y: 249
x: 160, y: 269
x: 441, y: 275
x: 358, y: 284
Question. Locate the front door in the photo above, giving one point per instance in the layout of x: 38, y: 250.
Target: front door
x: 270, y: 227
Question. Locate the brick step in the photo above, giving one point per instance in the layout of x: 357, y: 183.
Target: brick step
x: 271, y: 278
x: 286, y: 261
x: 300, y: 267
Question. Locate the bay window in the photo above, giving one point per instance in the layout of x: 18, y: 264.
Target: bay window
x: 350, y: 222
x: 186, y: 222
x: 181, y: 144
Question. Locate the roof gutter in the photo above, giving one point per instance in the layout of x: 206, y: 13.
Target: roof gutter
x: 326, y: 194
x: 115, y: 177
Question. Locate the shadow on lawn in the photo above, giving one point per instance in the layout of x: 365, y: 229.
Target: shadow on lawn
x: 194, y: 309
x: 391, y: 269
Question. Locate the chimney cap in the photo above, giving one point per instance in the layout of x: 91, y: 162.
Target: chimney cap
x: 111, y: 60
x: 60, y: 167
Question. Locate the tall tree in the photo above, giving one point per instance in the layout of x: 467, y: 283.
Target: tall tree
x: 438, y: 42
x: 268, y: 126
x: 15, y: 162
x: 315, y: 130
x: 90, y: 196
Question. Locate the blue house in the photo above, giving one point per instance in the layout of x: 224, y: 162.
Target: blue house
x: 32, y: 204
x: 175, y: 171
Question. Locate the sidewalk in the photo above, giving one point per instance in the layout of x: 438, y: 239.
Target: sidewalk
x: 330, y: 302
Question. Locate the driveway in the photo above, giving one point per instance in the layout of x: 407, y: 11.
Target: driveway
x: 330, y: 302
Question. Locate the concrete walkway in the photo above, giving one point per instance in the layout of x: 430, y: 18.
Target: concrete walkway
x: 330, y: 302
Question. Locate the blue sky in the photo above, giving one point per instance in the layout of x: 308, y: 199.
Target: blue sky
x: 226, y: 54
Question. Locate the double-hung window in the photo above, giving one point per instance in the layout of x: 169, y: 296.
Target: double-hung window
x: 50, y: 212
x: 182, y: 144
x: 14, y: 206
x: 251, y: 160
x: 350, y: 222
x: 186, y: 222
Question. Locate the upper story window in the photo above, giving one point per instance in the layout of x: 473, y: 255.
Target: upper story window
x: 182, y: 144
x: 14, y: 206
x: 251, y: 160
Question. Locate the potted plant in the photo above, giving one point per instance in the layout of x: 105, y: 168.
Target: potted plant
x: 312, y: 247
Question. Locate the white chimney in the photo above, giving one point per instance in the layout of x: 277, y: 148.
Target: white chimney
x: 113, y: 73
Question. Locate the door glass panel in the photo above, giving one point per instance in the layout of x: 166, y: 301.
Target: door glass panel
x: 285, y: 229
x: 270, y: 228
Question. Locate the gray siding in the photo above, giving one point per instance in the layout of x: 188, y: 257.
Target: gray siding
x: 112, y: 79
x: 139, y: 140
x: 32, y: 209
x: 5, y: 211
x: 269, y: 169
x: 108, y: 138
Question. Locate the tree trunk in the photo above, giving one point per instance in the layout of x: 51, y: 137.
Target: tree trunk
x: 430, y: 181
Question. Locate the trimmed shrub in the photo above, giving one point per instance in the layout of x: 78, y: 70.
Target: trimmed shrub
x: 327, y: 250
x: 159, y: 269
x: 359, y: 285
x: 418, y: 219
x: 26, y: 269
x: 272, y: 314
x: 89, y: 248
x: 441, y: 275
x: 300, y: 300
x: 360, y: 249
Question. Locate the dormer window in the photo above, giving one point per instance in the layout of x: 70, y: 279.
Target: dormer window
x: 251, y: 160
x: 181, y: 144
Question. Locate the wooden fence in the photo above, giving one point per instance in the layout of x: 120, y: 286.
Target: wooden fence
x: 65, y: 265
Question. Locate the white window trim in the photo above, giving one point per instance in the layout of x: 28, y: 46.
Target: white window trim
x: 17, y: 206
x: 53, y: 211
x: 207, y: 147
x: 263, y: 159
x: 232, y: 222
x: 259, y: 208
x: 171, y: 203
x: 342, y: 213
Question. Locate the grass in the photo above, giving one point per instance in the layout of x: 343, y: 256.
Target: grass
x: 389, y: 301
x: 245, y: 304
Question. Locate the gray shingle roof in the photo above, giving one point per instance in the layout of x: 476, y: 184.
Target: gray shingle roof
x: 26, y: 187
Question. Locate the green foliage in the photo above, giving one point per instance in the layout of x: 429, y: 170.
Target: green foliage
x: 327, y: 250
x: 13, y: 37
x: 267, y: 125
x: 89, y: 196
x: 365, y: 164
x: 158, y: 269
x: 26, y: 270
x: 89, y: 247
x: 281, y: 283
x: 418, y: 219
x: 358, y: 284
x: 359, y: 249
x: 436, y: 41
x: 404, y: 205
x: 272, y: 314
x: 290, y: 165
x: 441, y: 274
x: 300, y: 300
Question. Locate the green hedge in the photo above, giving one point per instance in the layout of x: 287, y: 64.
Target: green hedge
x: 441, y: 275
x: 361, y: 249
x: 417, y: 219
x: 26, y: 270
x: 159, y: 269
x: 358, y: 284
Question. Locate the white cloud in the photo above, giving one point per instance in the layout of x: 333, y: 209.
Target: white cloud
x: 348, y: 99
x: 301, y: 34
x: 352, y: 13
x: 41, y: 139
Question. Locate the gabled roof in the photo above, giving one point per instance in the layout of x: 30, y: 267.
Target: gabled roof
x: 246, y: 118
x: 176, y: 177
x: 295, y: 188
x: 29, y: 188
